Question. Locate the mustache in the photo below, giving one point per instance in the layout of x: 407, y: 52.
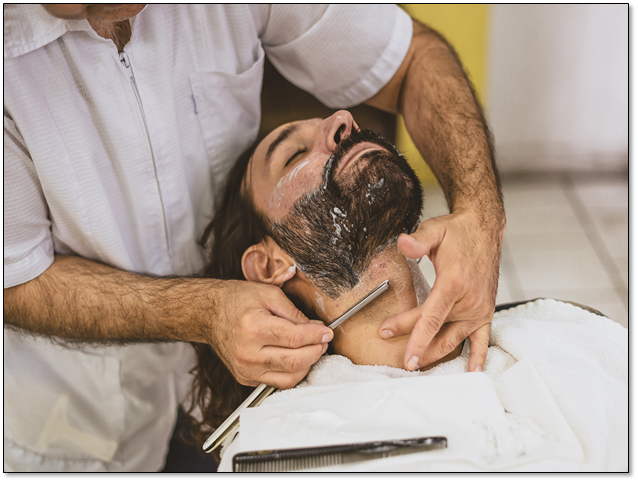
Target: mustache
x: 363, y: 135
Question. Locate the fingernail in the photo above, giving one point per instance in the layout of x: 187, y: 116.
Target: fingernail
x: 325, y: 347
x: 387, y: 334
x: 326, y: 338
x: 406, y: 236
x: 478, y: 368
x: 316, y: 322
x: 413, y: 364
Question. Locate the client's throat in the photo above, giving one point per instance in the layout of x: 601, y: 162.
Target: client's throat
x: 389, y: 265
x: 358, y: 338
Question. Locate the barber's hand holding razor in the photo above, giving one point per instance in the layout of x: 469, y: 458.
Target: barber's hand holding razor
x: 465, y: 254
x: 262, y: 337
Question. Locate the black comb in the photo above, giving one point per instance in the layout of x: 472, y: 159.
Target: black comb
x: 288, y: 460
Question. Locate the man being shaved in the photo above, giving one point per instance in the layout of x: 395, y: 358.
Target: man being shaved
x: 317, y: 209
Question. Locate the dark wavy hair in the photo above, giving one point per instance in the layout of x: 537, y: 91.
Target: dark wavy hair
x: 235, y: 227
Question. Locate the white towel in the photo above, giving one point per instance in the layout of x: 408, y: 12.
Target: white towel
x: 552, y: 396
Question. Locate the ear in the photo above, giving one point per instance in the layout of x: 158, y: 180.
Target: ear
x: 267, y: 263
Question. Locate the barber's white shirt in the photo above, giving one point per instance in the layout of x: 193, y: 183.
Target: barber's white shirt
x: 118, y: 158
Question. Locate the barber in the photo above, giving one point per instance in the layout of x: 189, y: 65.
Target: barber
x: 119, y: 122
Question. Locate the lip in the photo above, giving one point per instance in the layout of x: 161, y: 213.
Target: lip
x: 355, y: 153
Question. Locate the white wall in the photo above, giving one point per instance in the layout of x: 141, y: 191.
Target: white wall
x: 558, y: 86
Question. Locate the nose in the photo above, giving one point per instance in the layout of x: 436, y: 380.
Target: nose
x: 337, y: 127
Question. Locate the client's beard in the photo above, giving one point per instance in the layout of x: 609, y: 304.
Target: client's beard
x: 333, y: 232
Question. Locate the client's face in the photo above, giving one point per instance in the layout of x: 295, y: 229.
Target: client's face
x: 336, y: 197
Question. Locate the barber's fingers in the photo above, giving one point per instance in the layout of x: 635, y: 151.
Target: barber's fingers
x: 281, y: 333
x: 434, y: 312
x: 449, y: 337
x: 401, y: 324
x: 279, y: 305
x: 423, y: 241
x: 284, y: 368
x: 290, y: 360
x: 424, y: 322
x: 253, y: 367
x: 441, y: 344
x: 479, y: 343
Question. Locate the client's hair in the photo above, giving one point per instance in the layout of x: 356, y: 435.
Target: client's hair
x: 235, y: 227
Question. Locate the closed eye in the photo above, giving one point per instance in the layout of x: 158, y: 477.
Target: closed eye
x: 292, y: 158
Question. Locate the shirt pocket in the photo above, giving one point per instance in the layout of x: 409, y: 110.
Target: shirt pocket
x: 63, y: 403
x: 229, y: 112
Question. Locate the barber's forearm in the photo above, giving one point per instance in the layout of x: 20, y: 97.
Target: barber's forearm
x: 83, y: 300
x: 443, y: 117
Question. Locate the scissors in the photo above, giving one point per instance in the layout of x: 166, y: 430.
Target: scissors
x: 263, y: 391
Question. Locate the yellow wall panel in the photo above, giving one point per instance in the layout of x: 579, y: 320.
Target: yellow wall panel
x: 465, y: 27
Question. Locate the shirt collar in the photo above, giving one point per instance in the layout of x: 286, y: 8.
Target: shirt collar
x: 29, y: 27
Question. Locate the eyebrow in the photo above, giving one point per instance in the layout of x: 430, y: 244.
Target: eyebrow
x: 283, y: 135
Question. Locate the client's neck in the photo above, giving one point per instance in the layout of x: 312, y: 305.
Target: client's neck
x: 358, y: 338
x: 390, y: 265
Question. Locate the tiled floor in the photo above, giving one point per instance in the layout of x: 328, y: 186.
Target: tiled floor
x: 566, y: 238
